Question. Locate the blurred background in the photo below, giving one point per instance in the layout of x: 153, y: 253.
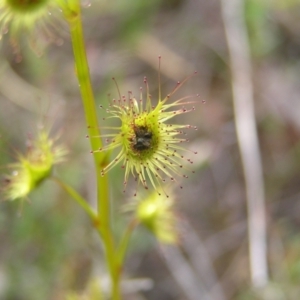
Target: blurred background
x: 47, y: 246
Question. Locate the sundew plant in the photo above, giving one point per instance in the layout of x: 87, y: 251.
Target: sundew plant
x: 146, y: 143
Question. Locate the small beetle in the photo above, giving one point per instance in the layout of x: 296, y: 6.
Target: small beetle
x: 143, y: 138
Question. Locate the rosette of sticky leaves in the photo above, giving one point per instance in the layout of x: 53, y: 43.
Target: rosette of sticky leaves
x: 38, y: 20
x: 33, y: 167
x: 156, y: 213
x: 149, y: 145
x: 24, y: 14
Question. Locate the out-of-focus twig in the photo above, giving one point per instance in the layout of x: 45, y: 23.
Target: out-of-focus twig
x: 20, y: 92
x: 183, y: 274
x: 201, y: 261
x: 238, y: 45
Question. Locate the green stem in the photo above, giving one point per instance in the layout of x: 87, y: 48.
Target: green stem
x: 123, y: 246
x: 73, y: 16
x: 80, y: 200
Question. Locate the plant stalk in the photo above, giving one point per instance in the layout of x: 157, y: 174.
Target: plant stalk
x: 103, y: 225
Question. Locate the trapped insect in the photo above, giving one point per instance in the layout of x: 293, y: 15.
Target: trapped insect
x: 143, y: 138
